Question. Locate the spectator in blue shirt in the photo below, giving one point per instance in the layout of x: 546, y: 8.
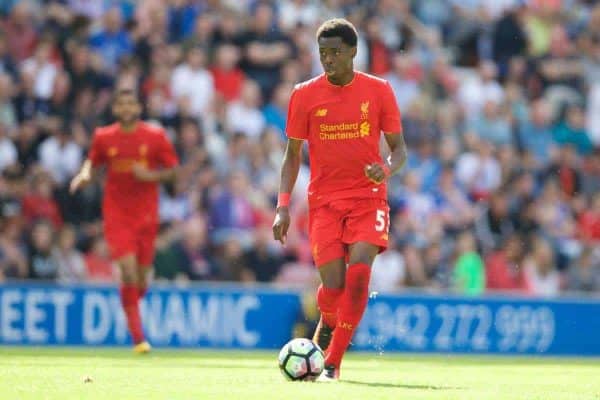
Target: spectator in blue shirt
x: 535, y: 133
x: 113, y: 41
x: 571, y: 131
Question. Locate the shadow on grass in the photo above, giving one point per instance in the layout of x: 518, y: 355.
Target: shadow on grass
x: 400, y: 385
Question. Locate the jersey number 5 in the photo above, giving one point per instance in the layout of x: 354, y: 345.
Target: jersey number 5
x: 381, y: 219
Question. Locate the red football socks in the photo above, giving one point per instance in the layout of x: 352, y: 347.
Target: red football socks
x: 129, y: 301
x: 352, y: 306
x: 328, y: 300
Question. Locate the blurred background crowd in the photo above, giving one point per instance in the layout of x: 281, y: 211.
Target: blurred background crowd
x: 501, y: 114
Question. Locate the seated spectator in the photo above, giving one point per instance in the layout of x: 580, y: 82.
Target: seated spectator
x: 479, y: 171
x: 492, y: 126
x: 112, y: 42
x: 227, y: 76
x: 275, y: 112
x: 565, y: 172
x: 191, y: 253
x: 265, y: 49
x: 589, y: 222
x: 494, y: 225
x: 13, y: 255
x: 425, y: 162
x: 456, y: 211
x: 232, y: 265
x: 21, y: 35
x: 192, y: 82
x: 8, y: 151
x: 39, y: 202
x: 571, y: 131
x: 264, y: 259
x: 41, y: 66
x: 468, y: 276
x: 475, y: 92
x: 584, y: 275
x: 8, y: 113
x: 540, y: 268
x: 535, y: 133
x: 504, y: 269
x: 244, y: 115
x: 99, y: 265
x: 40, y: 247
x: 388, y: 272
x: 404, y: 83
x: 71, y: 264
x: 231, y: 212
x: 60, y: 155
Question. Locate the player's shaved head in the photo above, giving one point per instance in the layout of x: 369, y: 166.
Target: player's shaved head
x: 339, y: 27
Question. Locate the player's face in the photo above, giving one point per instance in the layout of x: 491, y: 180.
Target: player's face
x: 126, y: 108
x: 336, y: 56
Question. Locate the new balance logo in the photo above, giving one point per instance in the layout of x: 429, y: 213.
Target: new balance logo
x: 321, y: 112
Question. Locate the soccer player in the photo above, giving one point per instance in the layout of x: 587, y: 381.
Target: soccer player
x: 341, y: 114
x: 138, y: 156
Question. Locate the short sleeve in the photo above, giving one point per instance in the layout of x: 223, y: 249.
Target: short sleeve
x: 297, y: 119
x: 390, y: 114
x: 97, y: 155
x: 166, y: 152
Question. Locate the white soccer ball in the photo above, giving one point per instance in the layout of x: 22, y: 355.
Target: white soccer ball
x: 301, y: 360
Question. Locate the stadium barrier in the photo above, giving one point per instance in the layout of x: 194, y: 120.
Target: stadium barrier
x: 235, y: 316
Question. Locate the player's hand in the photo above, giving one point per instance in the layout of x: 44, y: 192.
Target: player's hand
x: 80, y: 180
x: 376, y: 173
x: 281, y: 224
x: 141, y: 173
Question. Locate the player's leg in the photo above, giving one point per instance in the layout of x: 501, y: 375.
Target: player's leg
x: 366, y: 232
x: 329, y: 293
x: 325, y: 229
x: 146, y: 239
x: 130, y: 296
x: 122, y: 243
x: 144, y: 256
x: 353, y: 301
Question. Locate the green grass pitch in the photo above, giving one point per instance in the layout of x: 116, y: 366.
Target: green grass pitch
x: 116, y: 374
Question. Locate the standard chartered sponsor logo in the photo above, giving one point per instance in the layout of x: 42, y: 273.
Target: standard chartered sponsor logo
x: 342, y: 131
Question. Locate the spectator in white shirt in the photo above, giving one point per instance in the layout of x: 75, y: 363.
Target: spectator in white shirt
x: 191, y: 81
x: 244, y: 115
x: 479, y: 171
x: 60, y: 155
x: 40, y: 66
x: 473, y: 93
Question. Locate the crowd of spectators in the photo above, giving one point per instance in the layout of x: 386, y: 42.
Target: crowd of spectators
x: 501, y: 114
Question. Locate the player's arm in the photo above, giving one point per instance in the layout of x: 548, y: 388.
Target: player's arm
x: 377, y: 172
x: 166, y: 157
x: 162, y: 175
x: 289, y: 173
x: 95, y: 159
x: 83, y: 178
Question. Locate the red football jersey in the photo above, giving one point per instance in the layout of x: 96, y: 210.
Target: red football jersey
x: 343, y: 126
x: 125, y: 197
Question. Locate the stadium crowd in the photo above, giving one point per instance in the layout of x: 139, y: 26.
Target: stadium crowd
x: 501, y: 114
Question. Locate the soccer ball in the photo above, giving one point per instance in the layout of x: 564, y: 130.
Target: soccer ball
x: 301, y: 360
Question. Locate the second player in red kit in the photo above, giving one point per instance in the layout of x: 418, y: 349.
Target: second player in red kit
x: 341, y: 114
x: 137, y: 156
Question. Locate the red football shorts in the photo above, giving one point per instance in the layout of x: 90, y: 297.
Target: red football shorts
x: 334, y: 226
x: 124, y: 239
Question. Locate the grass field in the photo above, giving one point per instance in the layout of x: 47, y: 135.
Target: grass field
x: 29, y: 373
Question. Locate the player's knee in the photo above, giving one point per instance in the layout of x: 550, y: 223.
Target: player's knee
x: 129, y: 273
